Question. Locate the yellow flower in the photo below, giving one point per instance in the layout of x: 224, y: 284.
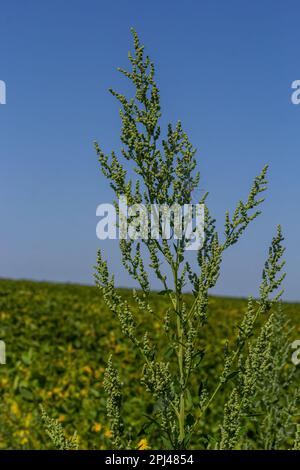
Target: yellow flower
x: 87, y: 369
x: 118, y: 348
x: 15, y: 408
x: 27, y: 420
x: 143, y: 444
x: 97, y: 427
x: 108, y: 433
x: 61, y: 418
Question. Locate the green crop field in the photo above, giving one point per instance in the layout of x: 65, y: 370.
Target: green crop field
x: 58, y: 339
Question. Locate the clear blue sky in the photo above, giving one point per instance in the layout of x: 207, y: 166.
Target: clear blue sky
x: 224, y: 68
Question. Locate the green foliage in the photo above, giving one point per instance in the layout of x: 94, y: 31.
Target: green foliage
x: 56, y: 433
x: 58, y: 340
x: 297, y: 439
x: 112, y: 386
x: 164, y: 169
x: 264, y: 400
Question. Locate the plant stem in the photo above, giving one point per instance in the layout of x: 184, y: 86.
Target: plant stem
x: 181, y: 417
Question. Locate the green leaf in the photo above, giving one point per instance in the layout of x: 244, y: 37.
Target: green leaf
x: 26, y: 394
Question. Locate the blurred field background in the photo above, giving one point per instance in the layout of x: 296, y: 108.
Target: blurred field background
x: 58, y: 339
